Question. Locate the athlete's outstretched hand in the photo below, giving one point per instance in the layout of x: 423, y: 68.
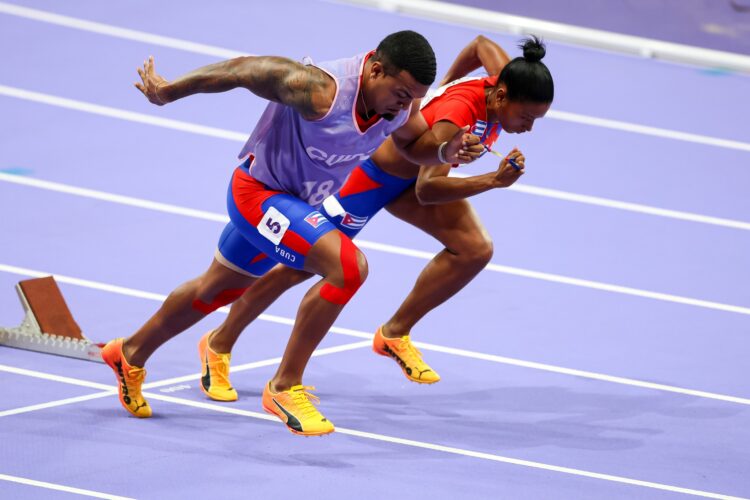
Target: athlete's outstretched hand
x: 463, y: 147
x: 507, y: 172
x: 151, y: 82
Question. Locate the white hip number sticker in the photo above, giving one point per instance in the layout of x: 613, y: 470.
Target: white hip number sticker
x: 273, y: 225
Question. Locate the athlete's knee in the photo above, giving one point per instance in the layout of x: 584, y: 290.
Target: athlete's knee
x: 483, y: 250
x: 343, y: 281
x: 362, y: 266
x: 349, y: 277
x: 474, y: 249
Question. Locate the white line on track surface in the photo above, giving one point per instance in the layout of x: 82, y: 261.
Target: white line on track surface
x: 241, y: 137
x: 198, y: 48
x: 60, y: 487
x: 56, y: 403
x: 364, y: 335
x: 116, y: 31
x: 259, y: 364
x: 460, y: 451
x: 151, y: 385
x: 417, y: 444
x: 383, y: 247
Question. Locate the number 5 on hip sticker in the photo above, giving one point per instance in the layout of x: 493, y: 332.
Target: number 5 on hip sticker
x: 273, y: 225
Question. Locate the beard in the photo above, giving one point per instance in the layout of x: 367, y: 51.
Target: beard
x: 388, y: 116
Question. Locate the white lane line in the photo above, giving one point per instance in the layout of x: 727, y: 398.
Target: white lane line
x: 113, y: 198
x: 383, y: 247
x: 55, y: 404
x: 240, y: 137
x: 631, y: 207
x: 364, y: 335
x: 535, y: 465
x: 457, y: 451
x: 566, y: 280
x: 55, y: 378
x: 622, y: 205
x: 581, y: 373
x: 647, y: 130
x: 259, y: 364
x: 60, y: 487
x: 121, y: 114
x: 444, y: 12
x: 116, y: 31
x: 176, y: 43
x: 436, y: 447
x: 161, y: 383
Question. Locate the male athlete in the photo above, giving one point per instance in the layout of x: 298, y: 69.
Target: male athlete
x: 518, y: 93
x: 323, y: 120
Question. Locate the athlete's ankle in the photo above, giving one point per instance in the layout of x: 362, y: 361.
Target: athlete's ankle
x: 127, y: 351
x: 392, y: 330
x: 132, y: 355
x: 278, y: 385
x: 218, y: 343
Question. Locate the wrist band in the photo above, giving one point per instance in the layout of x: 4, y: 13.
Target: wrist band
x: 441, y: 149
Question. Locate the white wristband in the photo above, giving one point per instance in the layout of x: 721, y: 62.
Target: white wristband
x: 441, y: 149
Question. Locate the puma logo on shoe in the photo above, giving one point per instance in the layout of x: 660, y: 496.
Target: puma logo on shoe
x: 291, y: 420
x: 206, y: 379
x: 138, y: 407
x: 400, y: 361
x: 123, y: 385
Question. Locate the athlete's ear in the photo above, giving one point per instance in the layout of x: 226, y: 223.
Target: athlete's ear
x: 501, y: 94
x: 376, y: 69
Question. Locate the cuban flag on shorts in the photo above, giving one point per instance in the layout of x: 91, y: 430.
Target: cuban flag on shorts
x: 352, y: 221
x: 315, y: 219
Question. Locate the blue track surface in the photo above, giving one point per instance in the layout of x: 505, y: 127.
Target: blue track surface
x: 494, y: 407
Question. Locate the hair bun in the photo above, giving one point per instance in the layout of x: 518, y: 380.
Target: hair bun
x: 533, y: 49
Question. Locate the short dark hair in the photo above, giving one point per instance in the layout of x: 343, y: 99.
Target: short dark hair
x: 527, y: 78
x: 408, y: 51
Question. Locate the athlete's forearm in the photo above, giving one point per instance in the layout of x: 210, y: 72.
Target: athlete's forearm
x: 429, y: 146
x: 274, y: 78
x: 442, y: 189
x: 481, y: 52
x: 415, y: 140
x: 217, y: 77
x: 424, y: 150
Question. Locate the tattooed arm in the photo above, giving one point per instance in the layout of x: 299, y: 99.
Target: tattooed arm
x: 307, y: 89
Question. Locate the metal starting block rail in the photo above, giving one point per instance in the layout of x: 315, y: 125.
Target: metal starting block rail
x: 49, y: 326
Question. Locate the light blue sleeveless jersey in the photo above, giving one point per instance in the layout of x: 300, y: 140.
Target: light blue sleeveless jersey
x: 311, y: 159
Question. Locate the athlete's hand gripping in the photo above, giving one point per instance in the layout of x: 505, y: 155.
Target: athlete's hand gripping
x: 511, y: 168
x: 151, y: 82
x: 462, y: 148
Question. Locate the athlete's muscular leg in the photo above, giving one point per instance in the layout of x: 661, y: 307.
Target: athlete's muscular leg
x: 468, y: 249
x: 185, y: 306
x: 344, y: 269
x: 253, y: 302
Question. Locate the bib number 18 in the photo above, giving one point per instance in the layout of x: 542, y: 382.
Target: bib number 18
x: 315, y: 196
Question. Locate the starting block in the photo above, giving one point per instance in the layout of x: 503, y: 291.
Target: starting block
x: 49, y: 326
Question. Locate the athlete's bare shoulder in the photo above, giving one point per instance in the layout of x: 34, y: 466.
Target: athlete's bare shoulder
x: 309, y: 90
